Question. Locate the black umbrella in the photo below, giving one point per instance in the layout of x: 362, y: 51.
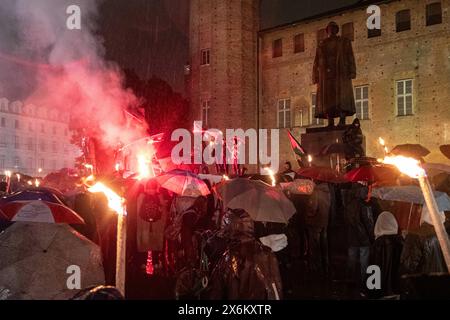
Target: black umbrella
x: 411, y: 150
x: 445, y: 149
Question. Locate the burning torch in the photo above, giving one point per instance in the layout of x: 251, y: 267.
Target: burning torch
x: 412, y: 168
x: 117, y: 204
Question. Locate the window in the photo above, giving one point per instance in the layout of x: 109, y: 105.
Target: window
x: 30, y: 143
x: 205, y: 113
x: 434, y: 13
x: 314, y: 121
x: 54, y: 129
x: 321, y: 35
x: 277, y: 48
x: 299, y: 43
x: 3, y: 123
x: 65, y: 132
x: 16, y: 142
x: 53, y: 164
x: 16, y: 162
x: 54, y: 146
x: 4, y: 104
x: 373, y: 33
x: 30, y: 126
x: 206, y: 55
x: 405, y: 97
x: 65, y: 164
x: 2, y: 162
x: 348, y: 31
x: 403, y: 20
x: 42, y: 128
x: 16, y: 124
x: 41, y: 163
x: 284, y: 113
x: 43, y: 145
x: 3, y: 141
x: 30, y: 164
x: 362, y: 102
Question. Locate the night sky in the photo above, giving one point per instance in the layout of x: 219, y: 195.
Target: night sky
x: 151, y: 37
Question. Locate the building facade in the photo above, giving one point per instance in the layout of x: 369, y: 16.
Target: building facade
x: 33, y: 138
x: 402, y: 89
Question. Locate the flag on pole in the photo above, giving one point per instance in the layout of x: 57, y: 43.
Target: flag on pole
x: 296, y: 146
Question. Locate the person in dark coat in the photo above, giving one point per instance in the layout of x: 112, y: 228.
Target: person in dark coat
x: 333, y: 71
x: 360, y: 217
x: 422, y: 253
x: 247, y: 270
x: 317, y: 218
x: 385, y: 253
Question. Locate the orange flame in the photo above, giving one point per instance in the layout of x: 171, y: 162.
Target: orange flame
x: 115, y: 202
x: 37, y: 183
x: 225, y: 177
x: 143, y: 167
x: 272, y: 176
x: 405, y: 165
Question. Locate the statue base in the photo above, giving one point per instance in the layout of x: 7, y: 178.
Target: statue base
x: 316, y: 139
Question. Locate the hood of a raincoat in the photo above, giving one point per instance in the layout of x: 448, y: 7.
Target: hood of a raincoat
x: 237, y: 225
x: 425, y: 217
x: 386, y: 225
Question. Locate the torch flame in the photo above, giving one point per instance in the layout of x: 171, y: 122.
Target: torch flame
x: 143, y: 167
x: 115, y: 202
x: 408, y: 166
x: 272, y: 176
x: 37, y: 183
x: 310, y: 159
x: 117, y: 166
x: 381, y: 141
x: 30, y: 183
x: 225, y: 177
x: 8, y: 173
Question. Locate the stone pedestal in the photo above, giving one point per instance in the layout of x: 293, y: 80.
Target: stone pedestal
x: 316, y: 139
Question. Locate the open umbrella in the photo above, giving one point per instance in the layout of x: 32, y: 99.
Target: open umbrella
x: 373, y: 174
x: 410, y: 194
x: 411, y: 150
x: 37, y: 206
x: 445, y: 149
x: 364, y: 161
x: 262, y: 201
x: 36, y: 260
x: 324, y: 174
x: 436, y: 168
x: 184, y: 183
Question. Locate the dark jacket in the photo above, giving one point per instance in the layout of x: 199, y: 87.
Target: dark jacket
x: 422, y: 253
x: 247, y: 271
x: 359, y: 216
x: 385, y: 253
x: 318, y: 210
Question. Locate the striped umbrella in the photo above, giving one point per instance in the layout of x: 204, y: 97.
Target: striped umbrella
x: 184, y: 183
x: 37, y: 206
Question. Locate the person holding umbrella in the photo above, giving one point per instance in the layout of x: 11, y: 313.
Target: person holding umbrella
x: 422, y: 253
x: 247, y: 270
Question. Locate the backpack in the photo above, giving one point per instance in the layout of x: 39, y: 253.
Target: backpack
x: 150, y: 209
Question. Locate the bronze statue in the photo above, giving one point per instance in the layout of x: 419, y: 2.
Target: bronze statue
x: 334, y: 69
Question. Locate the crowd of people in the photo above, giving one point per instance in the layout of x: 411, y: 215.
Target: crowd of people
x: 187, y: 248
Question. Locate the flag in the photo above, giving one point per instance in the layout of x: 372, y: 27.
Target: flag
x: 296, y: 146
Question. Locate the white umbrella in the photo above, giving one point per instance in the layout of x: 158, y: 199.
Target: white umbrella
x: 34, y: 259
x: 410, y: 194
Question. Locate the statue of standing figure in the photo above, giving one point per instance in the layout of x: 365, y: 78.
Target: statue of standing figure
x: 334, y: 69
